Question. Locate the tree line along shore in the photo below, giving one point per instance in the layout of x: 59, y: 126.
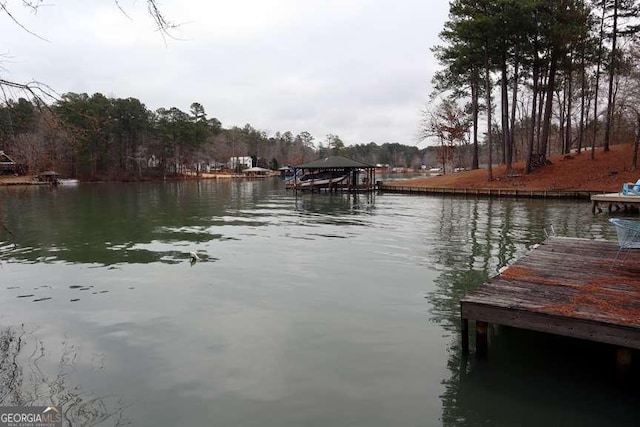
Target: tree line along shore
x: 520, y: 82
x: 606, y: 172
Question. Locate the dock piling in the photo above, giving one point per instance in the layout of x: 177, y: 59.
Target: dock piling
x: 623, y: 361
x: 465, y: 335
x: 481, y: 338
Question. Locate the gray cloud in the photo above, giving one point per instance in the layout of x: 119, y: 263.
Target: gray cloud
x: 357, y: 68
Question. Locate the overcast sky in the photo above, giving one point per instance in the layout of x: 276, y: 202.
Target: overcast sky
x: 360, y: 69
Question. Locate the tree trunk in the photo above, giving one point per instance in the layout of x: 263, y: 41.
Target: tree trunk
x: 595, y: 102
x: 475, y: 109
x: 634, y: 162
x: 514, y: 100
x: 506, y: 140
x: 569, y: 133
x: 534, y: 110
x: 583, y: 91
x: 563, y: 119
x: 546, y: 123
x: 544, y: 78
x: 612, y: 70
x: 487, y: 82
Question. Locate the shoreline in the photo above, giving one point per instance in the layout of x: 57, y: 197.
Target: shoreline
x: 489, y: 192
x: 566, y: 174
x: 436, y: 185
x: 604, y: 173
x: 28, y: 180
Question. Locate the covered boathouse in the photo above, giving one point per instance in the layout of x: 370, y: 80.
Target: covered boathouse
x: 335, y: 173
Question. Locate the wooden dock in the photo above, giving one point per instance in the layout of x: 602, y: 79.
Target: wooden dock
x: 614, y: 201
x: 486, y: 192
x: 565, y: 286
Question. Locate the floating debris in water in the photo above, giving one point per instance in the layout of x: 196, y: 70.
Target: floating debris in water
x: 75, y: 287
x: 13, y: 287
x: 74, y: 299
x: 41, y: 299
x: 24, y: 296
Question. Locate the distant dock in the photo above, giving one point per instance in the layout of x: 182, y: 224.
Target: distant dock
x: 565, y: 286
x: 486, y: 192
x: 615, y: 201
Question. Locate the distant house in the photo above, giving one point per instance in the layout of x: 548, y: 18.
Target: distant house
x: 153, y: 161
x: 48, y: 176
x: 213, y: 166
x: 8, y: 166
x: 240, y: 162
x: 209, y: 166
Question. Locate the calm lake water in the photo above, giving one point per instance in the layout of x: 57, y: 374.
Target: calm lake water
x: 314, y: 310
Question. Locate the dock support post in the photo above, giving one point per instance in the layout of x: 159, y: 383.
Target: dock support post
x: 481, y: 338
x: 465, y: 335
x: 623, y: 361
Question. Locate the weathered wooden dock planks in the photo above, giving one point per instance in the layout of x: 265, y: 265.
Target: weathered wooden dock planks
x: 565, y: 286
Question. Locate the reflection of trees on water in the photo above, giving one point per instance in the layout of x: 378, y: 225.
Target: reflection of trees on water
x: 474, y: 238
x: 465, y: 255
x: 329, y: 205
x: 107, y: 224
x: 143, y: 223
x: 24, y: 382
x: 535, y: 379
x: 245, y: 192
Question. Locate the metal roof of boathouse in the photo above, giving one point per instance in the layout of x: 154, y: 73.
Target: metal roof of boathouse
x: 334, y: 162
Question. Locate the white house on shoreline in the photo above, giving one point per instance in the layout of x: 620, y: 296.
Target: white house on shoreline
x: 241, y: 162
